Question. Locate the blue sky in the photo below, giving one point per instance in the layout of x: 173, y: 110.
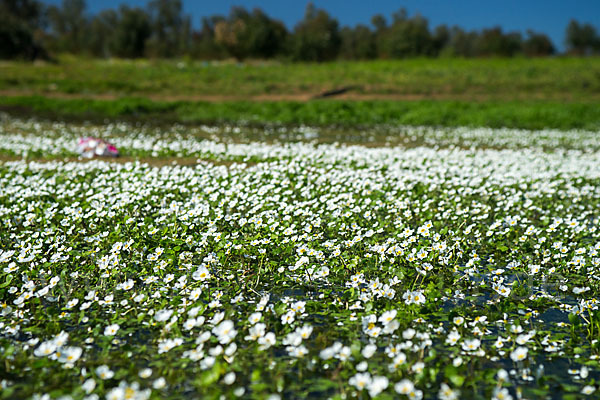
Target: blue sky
x: 548, y: 16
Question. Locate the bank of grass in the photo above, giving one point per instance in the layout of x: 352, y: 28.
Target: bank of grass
x: 557, y: 79
x: 496, y: 114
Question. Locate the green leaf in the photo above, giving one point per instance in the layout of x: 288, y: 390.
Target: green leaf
x: 9, y: 278
x: 454, y: 376
x: 211, y: 376
x: 574, y: 319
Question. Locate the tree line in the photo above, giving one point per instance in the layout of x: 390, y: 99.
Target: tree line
x: 30, y: 30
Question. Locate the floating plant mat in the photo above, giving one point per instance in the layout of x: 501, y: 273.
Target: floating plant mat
x: 298, y: 270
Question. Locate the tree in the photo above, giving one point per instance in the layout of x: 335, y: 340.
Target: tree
x: 20, y: 20
x: 131, y: 32
x: 204, y: 44
x: 101, y: 33
x: 316, y: 37
x: 537, y: 45
x: 462, y: 43
x: 440, y: 39
x: 29, y: 12
x: 69, y: 26
x: 254, y: 34
x: 171, y: 30
x: 379, y: 22
x: 163, y: 30
x: 582, y: 39
x: 405, y: 37
x: 357, y: 43
x: 493, y: 42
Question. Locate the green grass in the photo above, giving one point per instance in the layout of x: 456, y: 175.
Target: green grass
x: 511, y: 114
x: 564, y: 79
x: 561, y: 93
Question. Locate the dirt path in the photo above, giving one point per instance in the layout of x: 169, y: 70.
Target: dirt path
x: 302, y: 97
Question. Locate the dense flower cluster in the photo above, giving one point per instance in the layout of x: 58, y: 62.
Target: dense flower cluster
x: 314, y: 270
x: 35, y: 138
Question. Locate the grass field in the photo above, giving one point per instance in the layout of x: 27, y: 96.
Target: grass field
x: 497, y: 114
x: 560, y: 93
x: 558, y: 79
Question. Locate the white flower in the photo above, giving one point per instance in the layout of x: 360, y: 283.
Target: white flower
x: 297, y: 351
x: 72, y: 303
x: 61, y: 339
x: 267, y: 341
x: 446, y: 393
x: 361, y: 380
x: 453, y: 337
x: 378, y: 385
x: 398, y: 360
x: 145, y: 373
x: 388, y: 317
x: 293, y: 339
x: 587, y: 390
x: 471, y: 344
x: 516, y: 329
x: 256, y: 331
x: 45, y: 349
x: 288, y: 317
x: 404, y: 387
x: 165, y: 345
x: 584, y: 372
x: 139, y: 298
x: 522, y: 339
x: 502, y: 290
x: 207, y: 362
x: 344, y: 353
x: 89, y: 385
x: 305, y: 331
x: 201, y: 274
x: 70, y: 354
x: 254, y: 317
x: 229, y: 378
x: 127, y: 391
x: 391, y: 327
x: 418, y: 367
x: 362, y: 366
x: 117, y: 393
x: 163, y: 315
x: 195, y: 294
x: 415, y: 297
x: 127, y: 284
x: 502, y: 375
x: 225, y: 331
x: 501, y: 394
x: 218, y: 317
x: 534, y: 269
x: 229, y: 350
x: 369, y: 350
x: 111, y: 330
x: 408, y: 334
x: 189, y: 324
x: 519, y: 354
x: 104, y: 372
x: 159, y: 383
